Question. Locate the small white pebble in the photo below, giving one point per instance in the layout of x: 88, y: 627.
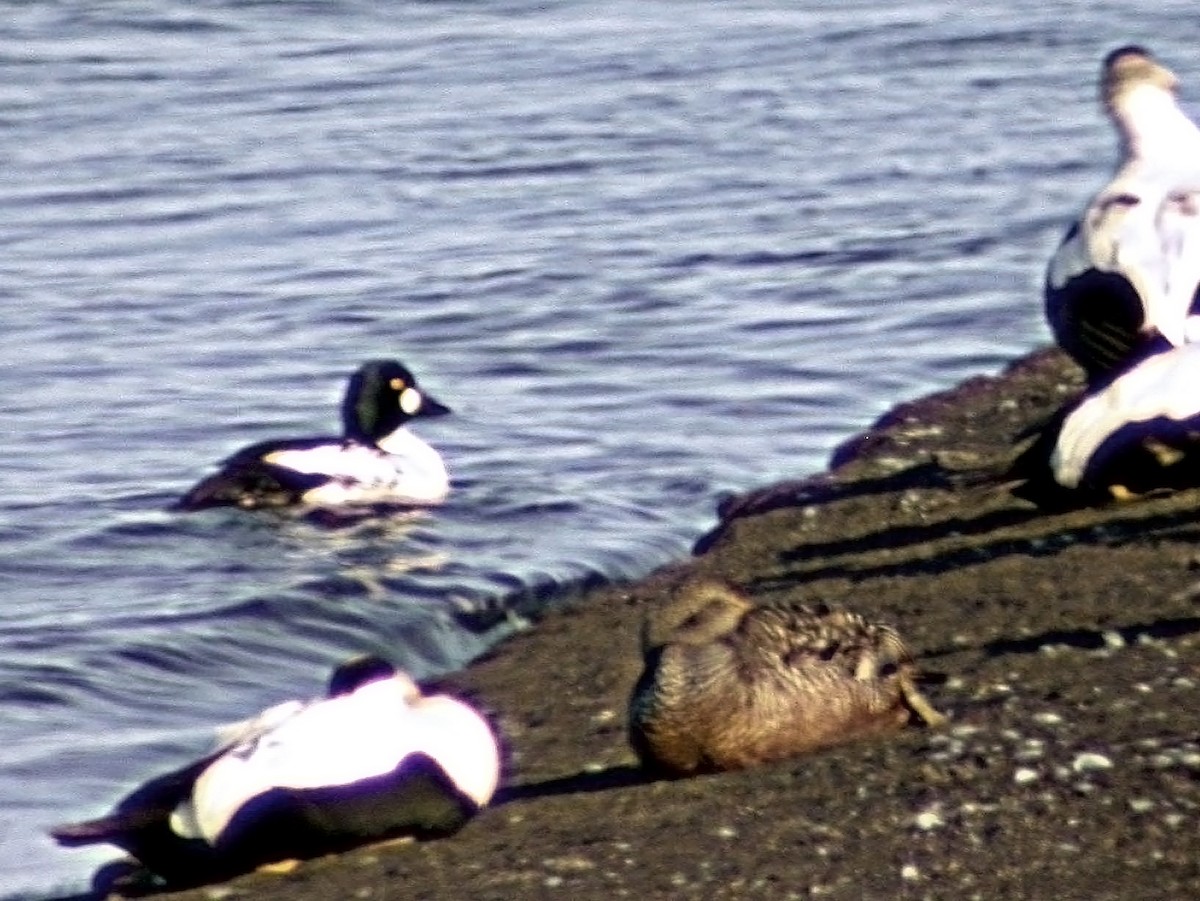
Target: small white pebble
x: 910, y: 873
x: 1141, y: 805
x: 1024, y: 775
x: 1113, y: 639
x: 1143, y: 688
x: 1047, y: 718
x: 929, y: 819
x: 726, y: 832
x: 1089, y: 760
x: 553, y: 881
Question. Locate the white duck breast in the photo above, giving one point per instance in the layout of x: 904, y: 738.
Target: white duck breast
x: 402, y: 469
x: 1131, y: 267
x: 1158, y: 397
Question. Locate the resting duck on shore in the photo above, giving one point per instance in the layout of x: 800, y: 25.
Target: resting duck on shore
x: 728, y: 684
x: 1138, y: 433
x: 1125, y: 278
x: 377, y: 460
x: 373, y: 759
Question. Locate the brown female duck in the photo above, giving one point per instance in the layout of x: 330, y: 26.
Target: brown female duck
x: 728, y: 684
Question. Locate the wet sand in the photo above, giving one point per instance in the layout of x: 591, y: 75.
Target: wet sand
x: 1065, y: 647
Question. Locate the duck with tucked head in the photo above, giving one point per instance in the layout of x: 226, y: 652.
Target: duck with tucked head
x: 1136, y: 434
x: 1124, y: 281
x: 728, y: 684
x: 374, y: 759
x: 376, y: 461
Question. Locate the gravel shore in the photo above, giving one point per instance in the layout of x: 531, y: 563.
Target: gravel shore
x: 1065, y: 647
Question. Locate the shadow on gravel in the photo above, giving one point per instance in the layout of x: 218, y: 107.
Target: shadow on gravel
x: 582, y: 783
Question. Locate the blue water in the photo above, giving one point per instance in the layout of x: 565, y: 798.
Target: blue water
x: 648, y: 251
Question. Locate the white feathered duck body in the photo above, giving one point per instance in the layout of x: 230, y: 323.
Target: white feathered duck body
x: 374, y: 759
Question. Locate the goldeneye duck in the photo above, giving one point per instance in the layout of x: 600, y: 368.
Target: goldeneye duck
x: 1138, y: 433
x: 376, y: 461
x: 373, y: 759
x: 1126, y: 275
x: 729, y: 684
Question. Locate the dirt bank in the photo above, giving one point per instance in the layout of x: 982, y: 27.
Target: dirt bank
x: 1066, y: 649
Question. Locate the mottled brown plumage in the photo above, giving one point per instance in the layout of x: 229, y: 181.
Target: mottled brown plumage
x: 728, y: 684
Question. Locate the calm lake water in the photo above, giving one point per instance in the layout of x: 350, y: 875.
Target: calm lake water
x: 648, y: 251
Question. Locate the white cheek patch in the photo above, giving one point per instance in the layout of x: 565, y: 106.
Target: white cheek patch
x: 410, y: 401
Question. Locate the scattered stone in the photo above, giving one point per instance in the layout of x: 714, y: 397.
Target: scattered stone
x: 1114, y: 640
x: 1024, y: 775
x: 928, y: 820
x: 1089, y: 761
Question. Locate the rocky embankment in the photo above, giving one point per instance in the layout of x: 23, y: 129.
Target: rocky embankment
x: 1064, y: 646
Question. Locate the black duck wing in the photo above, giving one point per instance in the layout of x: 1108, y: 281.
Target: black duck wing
x: 247, y: 479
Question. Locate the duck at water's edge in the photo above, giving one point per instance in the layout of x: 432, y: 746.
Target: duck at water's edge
x: 373, y: 759
x: 376, y: 461
x: 1138, y: 433
x: 1124, y: 280
x: 728, y: 684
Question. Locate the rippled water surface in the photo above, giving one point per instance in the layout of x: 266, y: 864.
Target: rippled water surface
x: 648, y: 251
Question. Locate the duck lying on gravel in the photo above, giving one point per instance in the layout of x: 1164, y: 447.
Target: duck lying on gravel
x: 728, y: 684
x: 374, y: 759
x: 1125, y: 277
x: 1138, y: 433
x: 376, y: 461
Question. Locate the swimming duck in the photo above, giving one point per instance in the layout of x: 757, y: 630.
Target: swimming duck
x: 1124, y: 280
x: 728, y: 684
x: 376, y: 461
x: 1136, y: 433
x: 375, y: 758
